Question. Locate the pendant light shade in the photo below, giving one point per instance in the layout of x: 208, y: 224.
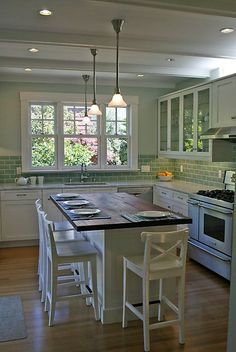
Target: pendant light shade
x: 117, y: 100
x: 94, y: 110
x: 86, y: 120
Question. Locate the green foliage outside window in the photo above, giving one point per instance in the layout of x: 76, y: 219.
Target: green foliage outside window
x: 43, y: 151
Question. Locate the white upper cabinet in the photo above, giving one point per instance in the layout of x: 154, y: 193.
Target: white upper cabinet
x: 224, y: 102
x: 183, y: 116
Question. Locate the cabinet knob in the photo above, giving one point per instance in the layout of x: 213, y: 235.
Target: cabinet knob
x: 233, y: 117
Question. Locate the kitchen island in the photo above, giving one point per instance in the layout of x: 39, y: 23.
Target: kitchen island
x: 115, y: 236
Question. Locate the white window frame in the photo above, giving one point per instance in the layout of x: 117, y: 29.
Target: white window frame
x: 66, y: 98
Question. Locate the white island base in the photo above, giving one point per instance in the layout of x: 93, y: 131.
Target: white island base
x: 112, y: 245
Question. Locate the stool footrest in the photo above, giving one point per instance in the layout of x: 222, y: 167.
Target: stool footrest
x: 150, y: 302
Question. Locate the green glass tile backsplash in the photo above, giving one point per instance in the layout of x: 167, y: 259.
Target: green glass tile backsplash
x: 201, y: 172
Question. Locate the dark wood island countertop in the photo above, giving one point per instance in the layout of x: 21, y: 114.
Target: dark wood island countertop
x: 115, y: 205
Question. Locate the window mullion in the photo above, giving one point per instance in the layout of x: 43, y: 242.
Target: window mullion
x: 59, y: 136
x: 103, y: 154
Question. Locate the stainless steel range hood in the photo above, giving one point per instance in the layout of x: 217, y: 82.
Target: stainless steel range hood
x: 220, y: 133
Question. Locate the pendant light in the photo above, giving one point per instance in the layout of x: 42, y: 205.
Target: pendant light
x: 86, y: 119
x: 94, y: 110
x: 117, y: 100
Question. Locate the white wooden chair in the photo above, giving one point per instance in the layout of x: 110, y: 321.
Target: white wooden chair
x: 60, y: 253
x: 61, y: 236
x: 164, y: 257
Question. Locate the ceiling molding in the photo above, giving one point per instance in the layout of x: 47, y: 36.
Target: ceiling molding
x: 77, y: 80
x: 217, y: 8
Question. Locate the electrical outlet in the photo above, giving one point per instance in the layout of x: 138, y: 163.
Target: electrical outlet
x: 181, y: 168
x: 219, y: 174
x: 145, y: 168
x: 18, y: 170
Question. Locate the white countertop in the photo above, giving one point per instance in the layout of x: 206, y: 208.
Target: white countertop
x: 182, y: 186
x: 136, y: 183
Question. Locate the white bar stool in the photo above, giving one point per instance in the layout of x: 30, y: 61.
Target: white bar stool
x: 60, y: 236
x: 68, y: 252
x: 164, y: 257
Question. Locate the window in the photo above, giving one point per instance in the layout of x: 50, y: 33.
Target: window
x: 55, y: 137
x: 117, y: 136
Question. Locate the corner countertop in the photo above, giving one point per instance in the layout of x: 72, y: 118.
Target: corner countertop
x: 182, y: 186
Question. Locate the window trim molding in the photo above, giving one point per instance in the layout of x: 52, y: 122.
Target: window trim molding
x: 63, y: 98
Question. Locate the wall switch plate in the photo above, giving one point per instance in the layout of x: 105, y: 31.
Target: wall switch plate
x: 18, y: 170
x: 181, y: 168
x: 145, y: 168
x: 219, y: 174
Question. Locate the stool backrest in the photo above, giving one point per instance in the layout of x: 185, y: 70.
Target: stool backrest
x: 39, y: 209
x: 49, y: 238
x: 38, y: 203
x: 165, y: 246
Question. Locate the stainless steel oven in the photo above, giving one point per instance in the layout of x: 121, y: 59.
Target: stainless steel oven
x: 210, y: 241
x: 215, y: 227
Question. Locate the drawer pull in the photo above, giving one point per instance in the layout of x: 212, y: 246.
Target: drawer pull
x: 21, y: 195
x: 233, y: 117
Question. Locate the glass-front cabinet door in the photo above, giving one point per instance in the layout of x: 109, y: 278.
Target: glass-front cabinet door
x: 169, y: 126
x: 188, y: 122
x: 196, y: 115
x: 174, y: 123
x: 203, y: 115
x: 163, y: 120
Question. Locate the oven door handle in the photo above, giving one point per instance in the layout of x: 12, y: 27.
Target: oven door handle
x: 219, y: 209
x: 209, y: 252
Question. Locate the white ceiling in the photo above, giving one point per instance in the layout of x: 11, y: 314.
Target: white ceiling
x: 185, y: 30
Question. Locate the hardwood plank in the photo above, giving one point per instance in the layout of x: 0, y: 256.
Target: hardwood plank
x: 76, y: 330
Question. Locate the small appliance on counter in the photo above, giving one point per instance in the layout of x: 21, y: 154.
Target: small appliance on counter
x: 210, y: 241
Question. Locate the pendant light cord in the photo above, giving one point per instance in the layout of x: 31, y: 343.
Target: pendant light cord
x: 117, y: 91
x: 85, y: 78
x: 94, y: 53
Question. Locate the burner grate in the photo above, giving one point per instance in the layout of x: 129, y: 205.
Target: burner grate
x: 222, y: 194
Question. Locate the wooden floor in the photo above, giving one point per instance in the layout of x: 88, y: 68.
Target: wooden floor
x: 77, y: 331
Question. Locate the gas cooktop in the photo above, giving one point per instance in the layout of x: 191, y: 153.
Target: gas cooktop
x: 222, y: 194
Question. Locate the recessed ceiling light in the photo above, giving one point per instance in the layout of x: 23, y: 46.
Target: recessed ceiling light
x: 140, y: 75
x: 27, y: 69
x: 45, y: 12
x: 226, y: 30
x: 33, y: 50
x: 170, y: 59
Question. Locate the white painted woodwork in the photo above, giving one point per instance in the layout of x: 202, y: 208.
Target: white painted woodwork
x: 224, y: 102
x: 103, y: 189
x: 18, y: 213
x: 180, y: 153
x: 172, y: 200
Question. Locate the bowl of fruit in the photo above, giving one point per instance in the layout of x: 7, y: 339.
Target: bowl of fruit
x: 164, y: 176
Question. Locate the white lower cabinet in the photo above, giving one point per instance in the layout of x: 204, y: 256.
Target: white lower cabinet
x: 173, y: 200
x: 103, y: 189
x: 18, y: 214
x: 162, y: 197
